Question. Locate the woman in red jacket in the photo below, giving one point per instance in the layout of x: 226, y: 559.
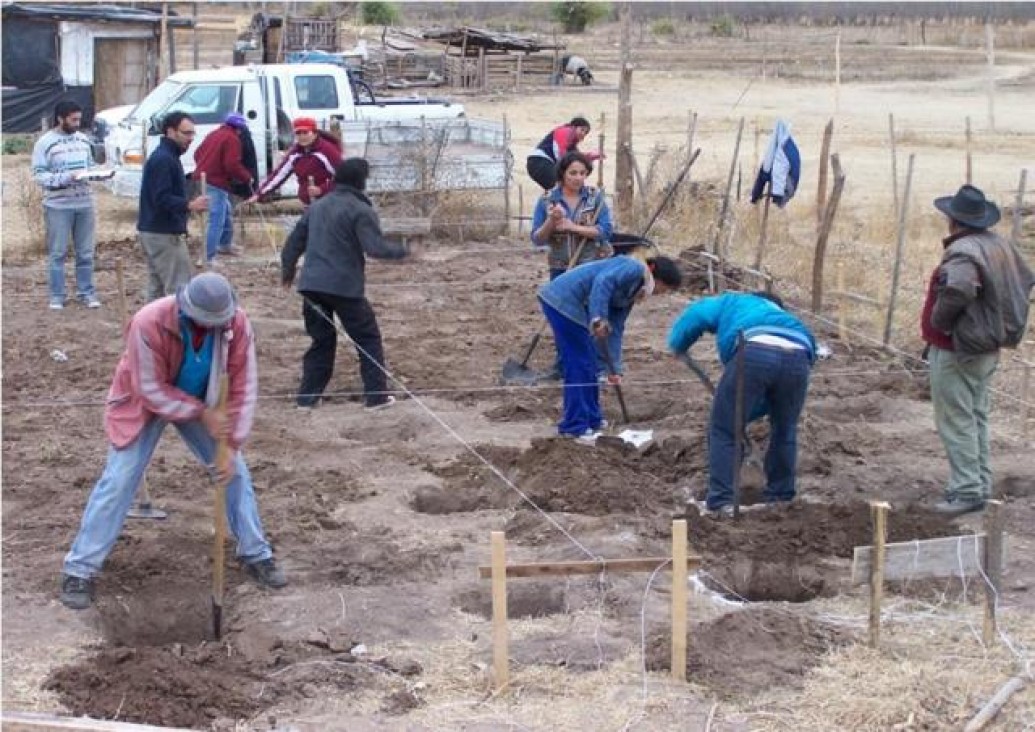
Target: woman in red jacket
x: 542, y: 162
x: 312, y: 159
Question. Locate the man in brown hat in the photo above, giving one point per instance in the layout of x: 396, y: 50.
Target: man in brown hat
x: 977, y: 303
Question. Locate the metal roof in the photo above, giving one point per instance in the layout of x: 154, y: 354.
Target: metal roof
x: 101, y: 13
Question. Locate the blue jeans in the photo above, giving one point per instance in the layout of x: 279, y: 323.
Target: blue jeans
x: 113, y: 495
x: 578, y: 356
x: 220, y: 222
x: 77, y: 225
x: 770, y: 373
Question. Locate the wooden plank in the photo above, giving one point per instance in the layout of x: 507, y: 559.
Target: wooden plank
x: 993, y: 566
x: 560, y: 569
x: 500, y: 654
x: 679, y: 581
x: 918, y: 559
x: 31, y: 722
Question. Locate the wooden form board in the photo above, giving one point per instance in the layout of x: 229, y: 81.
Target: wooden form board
x: 559, y: 569
x: 944, y: 557
x: 29, y: 722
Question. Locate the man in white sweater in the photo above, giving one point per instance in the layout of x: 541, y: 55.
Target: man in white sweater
x: 60, y: 160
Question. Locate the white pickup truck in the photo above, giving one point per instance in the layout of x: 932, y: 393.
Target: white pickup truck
x: 411, y: 144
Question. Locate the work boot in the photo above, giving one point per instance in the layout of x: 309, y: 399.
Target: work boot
x: 959, y: 506
x: 76, y: 592
x: 266, y: 573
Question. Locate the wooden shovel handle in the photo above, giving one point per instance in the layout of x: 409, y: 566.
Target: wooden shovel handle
x: 219, y: 543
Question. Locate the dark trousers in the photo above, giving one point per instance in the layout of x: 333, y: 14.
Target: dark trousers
x: 360, y: 323
x: 578, y: 358
x: 775, y: 375
x: 542, y: 170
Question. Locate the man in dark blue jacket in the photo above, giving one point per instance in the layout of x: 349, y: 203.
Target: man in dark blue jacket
x: 334, y: 234
x: 778, y: 353
x: 164, y: 208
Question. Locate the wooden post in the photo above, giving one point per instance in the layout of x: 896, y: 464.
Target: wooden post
x: 204, y: 219
x: 824, y: 156
x: 165, y: 46
x: 506, y: 182
x: 837, y: 74
x: 992, y: 564
x: 724, y: 210
x: 894, y: 162
x: 879, y: 512
x: 691, y: 128
x: 969, y: 139
x: 144, y: 125
x: 195, y: 43
x: 521, y: 209
x: 679, y: 580
x: 899, y: 247
x: 824, y: 234
x: 1018, y: 204
x: 600, y: 149
x: 623, y: 134
x: 517, y: 78
x: 881, y: 298
x: 990, y: 54
x: 763, y: 227
x: 842, y: 310
x: 120, y: 284
x: 640, y: 192
x: 500, y: 653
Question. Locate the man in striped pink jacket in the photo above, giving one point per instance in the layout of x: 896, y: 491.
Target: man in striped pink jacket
x: 177, y: 349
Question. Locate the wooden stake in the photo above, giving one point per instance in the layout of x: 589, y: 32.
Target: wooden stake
x: 881, y: 299
x: 1018, y: 204
x: 879, y: 512
x: 204, y: 218
x: 500, y: 652
x: 506, y: 182
x: 679, y: 581
x: 994, y: 705
x: 521, y: 210
x: 716, y: 249
x: 842, y: 310
x: 969, y: 139
x: 837, y: 74
x: 691, y: 128
x: 824, y: 234
x: 894, y: 163
x: 990, y: 54
x: 600, y: 149
x: 992, y: 564
x: 120, y: 284
x: 824, y: 157
x: 899, y: 247
x: 624, y: 189
x: 763, y: 227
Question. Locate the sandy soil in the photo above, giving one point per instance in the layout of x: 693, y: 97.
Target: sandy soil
x: 382, y: 519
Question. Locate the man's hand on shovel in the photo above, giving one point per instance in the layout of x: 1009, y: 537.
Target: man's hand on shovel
x: 218, y: 425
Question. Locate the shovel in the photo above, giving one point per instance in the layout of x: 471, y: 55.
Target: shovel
x: 517, y: 372
x: 602, y: 347
x: 219, y: 544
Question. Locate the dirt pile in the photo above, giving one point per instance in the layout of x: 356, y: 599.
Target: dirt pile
x: 751, y: 650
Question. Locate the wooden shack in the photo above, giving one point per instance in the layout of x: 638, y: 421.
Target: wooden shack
x: 477, y: 58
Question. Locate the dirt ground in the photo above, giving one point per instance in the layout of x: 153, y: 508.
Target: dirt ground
x: 381, y: 520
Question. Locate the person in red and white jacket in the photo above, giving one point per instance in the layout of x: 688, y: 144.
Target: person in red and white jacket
x: 178, y: 348
x: 542, y: 161
x: 312, y: 159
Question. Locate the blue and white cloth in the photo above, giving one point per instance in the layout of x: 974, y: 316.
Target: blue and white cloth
x: 781, y: 167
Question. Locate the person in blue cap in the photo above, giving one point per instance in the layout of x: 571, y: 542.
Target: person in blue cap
x: 779, y: 351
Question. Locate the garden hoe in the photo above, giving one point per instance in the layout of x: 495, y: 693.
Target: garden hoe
x: 219, y: 544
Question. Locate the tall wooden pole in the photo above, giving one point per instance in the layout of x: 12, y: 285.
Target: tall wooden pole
x: 899, y: 248
x: 623, y: 133
x: 824, y: 165
x: 824, y: 234
x: 894, y: 162
x: 724, y: 210
x: 879, y: 512
x: 837, y: 74
x: 600, y: 149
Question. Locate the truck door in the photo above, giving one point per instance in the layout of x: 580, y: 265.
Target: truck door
x: 253, y: 107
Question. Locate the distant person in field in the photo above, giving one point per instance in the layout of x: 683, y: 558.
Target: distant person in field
x: 59, y: 159
x: 779, y: 351
x: 312, y: 159
x: 220, y: 158
x: 977, y: 303
x: 542, y: 161
x: 165, y: 207
x: 177, y: 350
x: 576, y: 66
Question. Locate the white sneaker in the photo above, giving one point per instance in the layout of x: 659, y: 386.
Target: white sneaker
x: 383, y: 405
x: 589, y: 437
x: 90, y: 301
x: 57, y: 305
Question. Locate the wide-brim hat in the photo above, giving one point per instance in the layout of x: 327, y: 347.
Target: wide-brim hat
x: 208, y: 300
x: 969, y: 207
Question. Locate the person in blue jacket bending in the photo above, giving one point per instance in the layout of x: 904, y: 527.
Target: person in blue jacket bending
x: 591, y: 302
x: 779, y: 351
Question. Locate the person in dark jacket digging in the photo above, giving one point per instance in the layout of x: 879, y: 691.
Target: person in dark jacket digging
x: 334, y: 234
x: 977, y: 304
x: 779, y: 351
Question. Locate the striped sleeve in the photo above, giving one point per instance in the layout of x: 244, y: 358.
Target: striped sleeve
x: 280, y: 174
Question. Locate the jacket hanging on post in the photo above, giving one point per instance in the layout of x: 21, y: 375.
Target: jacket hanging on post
x: 781, y: 167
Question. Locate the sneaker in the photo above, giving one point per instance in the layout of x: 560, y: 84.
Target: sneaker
x: 90, y: 301
x: 57, y: 305
x: 379, y: 405
x: 589, y: 437
x: 76, y: 592
x: 266, y: 573
x: 959, y: 506
x: 232, y: 251
x: 722, y: 512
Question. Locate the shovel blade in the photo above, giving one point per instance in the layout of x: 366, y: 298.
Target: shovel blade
x: 217, y: 619
x: 147, y: 511
x: 515, y: 374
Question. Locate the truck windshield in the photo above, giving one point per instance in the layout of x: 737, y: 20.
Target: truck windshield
x: 155, y: 102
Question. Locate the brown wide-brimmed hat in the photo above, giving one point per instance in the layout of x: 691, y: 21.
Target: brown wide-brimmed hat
x: 969, y: 207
